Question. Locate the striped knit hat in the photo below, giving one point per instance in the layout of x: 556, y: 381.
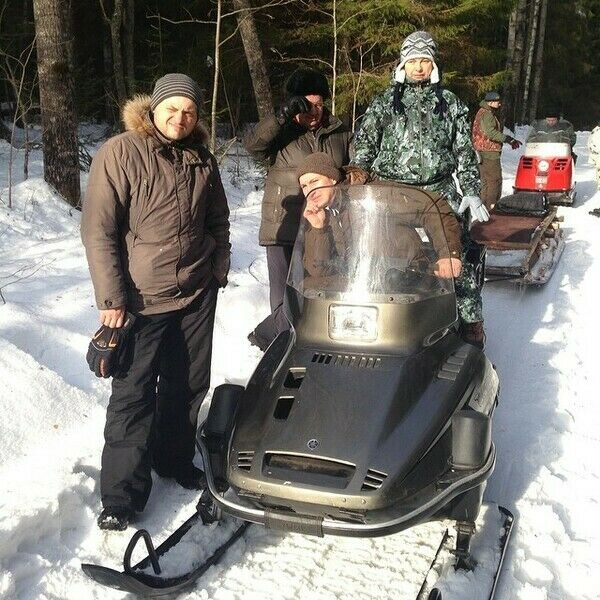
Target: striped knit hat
x: 419, y: 44
x: 176, y: 84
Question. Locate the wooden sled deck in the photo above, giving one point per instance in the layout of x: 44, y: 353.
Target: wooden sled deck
x: 522, y: 248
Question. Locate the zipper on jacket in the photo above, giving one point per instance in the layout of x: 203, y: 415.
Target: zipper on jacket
x: 146, y: 195
x: 178, y: 168
x: 419, y: 106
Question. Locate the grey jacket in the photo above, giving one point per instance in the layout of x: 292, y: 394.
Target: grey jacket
x: 283, y: 148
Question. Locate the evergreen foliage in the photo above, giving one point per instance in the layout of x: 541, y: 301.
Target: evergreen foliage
x: 179, y: 36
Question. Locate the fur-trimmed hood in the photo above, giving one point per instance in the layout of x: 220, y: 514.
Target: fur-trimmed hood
x: 136, y: 117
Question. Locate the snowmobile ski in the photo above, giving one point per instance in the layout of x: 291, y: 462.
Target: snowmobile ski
x: 134, y: 580
x: 427, y: 590
x: 444, y: 558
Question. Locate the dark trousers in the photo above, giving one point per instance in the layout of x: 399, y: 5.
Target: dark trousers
x: 278, y: 263
x: 152, y: 412
x: 490, y: 170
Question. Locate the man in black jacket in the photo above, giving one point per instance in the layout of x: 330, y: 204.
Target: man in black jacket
x: 301, y: 127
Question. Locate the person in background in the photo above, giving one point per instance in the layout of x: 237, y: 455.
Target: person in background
x: 303, y: 125
x: 594, y: 148
x: 155, y: 227
x: 417, y: 133
x: 488, y: 136
x: 554, y: 128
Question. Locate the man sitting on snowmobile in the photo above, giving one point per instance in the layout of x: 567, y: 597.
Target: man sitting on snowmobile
x: 330, y: 229
x: 553, y: 128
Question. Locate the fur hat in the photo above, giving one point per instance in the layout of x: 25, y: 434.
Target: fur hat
x: 492, y: 97
x: 419, y: 44
x: 321, y: 164
x: 176, y: 84
x: 306, y: 82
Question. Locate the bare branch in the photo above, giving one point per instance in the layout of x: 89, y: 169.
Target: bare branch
x: 223, y: 16
x: 284, y: 58
x: 104, y: 13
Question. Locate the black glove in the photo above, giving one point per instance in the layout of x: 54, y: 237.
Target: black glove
x: 294, y: 106
x: 514, y: 143
x: 106, y: 351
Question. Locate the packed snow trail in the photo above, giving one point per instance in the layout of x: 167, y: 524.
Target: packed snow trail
x: 542, y: 341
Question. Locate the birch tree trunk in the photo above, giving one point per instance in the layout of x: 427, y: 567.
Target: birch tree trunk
x: 531, y: 46
x: 335, y: 53
x: 514, y: 63
x: 256, y: 61
x: 539, y: 61
x: 116, y: 22
x: 128, y: 39
x: 215, y: 91
x: 108, y: 76
x: 55, y: 73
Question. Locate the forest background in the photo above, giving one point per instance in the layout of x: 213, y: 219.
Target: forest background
x: 83, y: 58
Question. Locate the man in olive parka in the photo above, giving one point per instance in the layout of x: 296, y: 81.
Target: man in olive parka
x: 417, y: 133
x: 488, y: 136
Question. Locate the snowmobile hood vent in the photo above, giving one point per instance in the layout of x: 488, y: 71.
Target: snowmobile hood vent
x: 373, y: 480
x: 359, y: 361
x: 451, y: 368
x: 308, y: 470
x: 244, y: 459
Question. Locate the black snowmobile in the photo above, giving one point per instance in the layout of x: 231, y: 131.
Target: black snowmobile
x: 369, y: 416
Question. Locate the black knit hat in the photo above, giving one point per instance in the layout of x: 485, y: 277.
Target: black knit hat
x: 176, y: 84
x: 306, y: 82
x: 321, y: 164
x: 552, y: 111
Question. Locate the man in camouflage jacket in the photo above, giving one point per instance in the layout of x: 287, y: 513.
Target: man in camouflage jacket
x: 418, y: 133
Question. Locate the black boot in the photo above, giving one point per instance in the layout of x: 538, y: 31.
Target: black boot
x: 473, y: 333
x: 115, y: 518
x: 190, y: 478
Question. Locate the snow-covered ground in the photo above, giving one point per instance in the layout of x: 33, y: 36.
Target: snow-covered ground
x: 547, y: 426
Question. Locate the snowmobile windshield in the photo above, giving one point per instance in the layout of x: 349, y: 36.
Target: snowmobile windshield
x: 377, y: 243
x: 549, y: 136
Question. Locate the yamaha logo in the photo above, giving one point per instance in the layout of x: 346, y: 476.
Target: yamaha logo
x: 312, y: 444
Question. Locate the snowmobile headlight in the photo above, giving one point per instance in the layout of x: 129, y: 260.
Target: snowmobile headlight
x: 353, y: 323
x: 543, y: 166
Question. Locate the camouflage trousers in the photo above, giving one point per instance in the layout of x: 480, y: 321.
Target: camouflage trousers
x: 468, y: 293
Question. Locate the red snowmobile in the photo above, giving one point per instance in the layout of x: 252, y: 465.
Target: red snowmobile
x: 546, y: 168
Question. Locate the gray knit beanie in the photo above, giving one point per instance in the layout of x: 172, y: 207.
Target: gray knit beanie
x: 419, y: 44
x: 176, y: 84
x: 321, y: 164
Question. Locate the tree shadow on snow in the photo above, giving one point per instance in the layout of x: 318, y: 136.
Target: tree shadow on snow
x: 525, y: 341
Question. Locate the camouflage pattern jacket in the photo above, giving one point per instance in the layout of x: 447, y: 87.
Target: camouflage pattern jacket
x: 421, y: 146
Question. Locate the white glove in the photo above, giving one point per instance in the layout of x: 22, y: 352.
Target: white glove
x: 478, y: 211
